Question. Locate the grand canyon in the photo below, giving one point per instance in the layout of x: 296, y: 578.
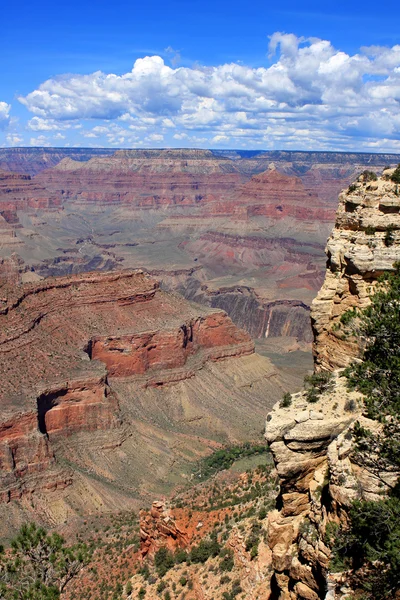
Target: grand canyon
x: 155, y: 306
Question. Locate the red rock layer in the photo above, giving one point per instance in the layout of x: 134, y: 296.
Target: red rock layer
x: 276, y: 195
x: 144, y: 181
x: 161, y: 350
x: 20, y: 192
x: 159, y: 528
x: 49, y: 332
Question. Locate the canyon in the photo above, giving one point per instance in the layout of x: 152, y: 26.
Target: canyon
x: 238, y: 230
x: 111, y: 388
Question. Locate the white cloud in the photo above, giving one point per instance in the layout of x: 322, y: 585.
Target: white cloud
x: 312, y: 94
x: 41, y: 140
x: 14, y: 139
x: 4, y: 114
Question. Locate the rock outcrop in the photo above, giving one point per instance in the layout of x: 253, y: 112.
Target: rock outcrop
x: 312, y: 443
x: 364, y: 243
x: 104, y: 374
x: 158, y: 527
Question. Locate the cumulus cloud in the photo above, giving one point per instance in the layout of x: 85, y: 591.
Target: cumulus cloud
x: 4, y: 114
x: 14, y: 139
x: 311, y: 95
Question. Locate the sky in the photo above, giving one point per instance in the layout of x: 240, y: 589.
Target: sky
x: 305, y: 75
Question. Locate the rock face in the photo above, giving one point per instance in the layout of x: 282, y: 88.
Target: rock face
x: 159, y: 528
x: 103, y: 374
x: 364, y: 243
x: 34, y: 160
x: 144, y: 178
x: 279, y: 196
x: 312, y: 443
x: 19, y: 193
x: 228, y: 220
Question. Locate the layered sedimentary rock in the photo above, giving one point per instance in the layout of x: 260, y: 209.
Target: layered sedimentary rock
x: 34, y: 160
x: 228, y: 220
x: 279, y: 196
x: 104, y: 374
x: 19, y: 193
x: 364, y: 243
x: 144, y: 178
x: 312, y: 445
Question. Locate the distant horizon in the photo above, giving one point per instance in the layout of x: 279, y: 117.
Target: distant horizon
x: 224, y: 150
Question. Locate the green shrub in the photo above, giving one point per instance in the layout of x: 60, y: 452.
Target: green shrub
x: 227, y: 562
x: 205, y: 550
x: 352, y: 188
x: 318, y: 383
x: 161, y: 587
x: 286, y: 400
x: 368, y: 176
x: 180, y: 556
x: 396, y: 175
x: 389, y: 236
x: 370, y: 230
x: 128, y: 588
x: 163, y: 561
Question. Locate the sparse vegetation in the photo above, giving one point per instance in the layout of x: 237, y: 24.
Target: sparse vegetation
x: 286, y: 400
x: 368, y: 176
x: 370, y: 545
x: 317, y: 384
x: 39, y: 565
x: 396, y: 175
x: 224, y: 458
x: 389, y: 236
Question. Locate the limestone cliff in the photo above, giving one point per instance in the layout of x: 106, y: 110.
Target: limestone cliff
x: 312, y: 443
x: 364, y: 243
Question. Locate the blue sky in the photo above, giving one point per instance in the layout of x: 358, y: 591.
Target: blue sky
x: 296, y: 75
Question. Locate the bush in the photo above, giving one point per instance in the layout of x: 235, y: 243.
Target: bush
x: 128, y: 588
x: 163, y: 561
x: 396, y: 175
x: 352, y: 188
x: 161, y: 587
x: 389, y: 236
x: 368, y: 176
x: 180, y: 556
x: 318, y: 383
x: 286, y: 400
x: 205, y: 550
x: 372, y: 541
x: 227, y: 562
x: 370, y: 230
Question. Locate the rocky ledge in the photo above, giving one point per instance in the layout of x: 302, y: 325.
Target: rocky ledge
x: 312, y: 443
x: 364, y: 243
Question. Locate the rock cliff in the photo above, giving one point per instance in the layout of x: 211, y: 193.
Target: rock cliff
x: 364, y: 243
x: 104, y: 374
x: 312, y: 443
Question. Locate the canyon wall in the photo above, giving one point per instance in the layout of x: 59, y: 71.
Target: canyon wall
x: 312, y: 443
x: 104, y: 374
x: 248, y: 220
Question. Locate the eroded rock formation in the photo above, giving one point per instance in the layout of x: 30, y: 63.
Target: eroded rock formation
x: 312, y: 443
x: 364, y: 243
x: 104, y: 374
